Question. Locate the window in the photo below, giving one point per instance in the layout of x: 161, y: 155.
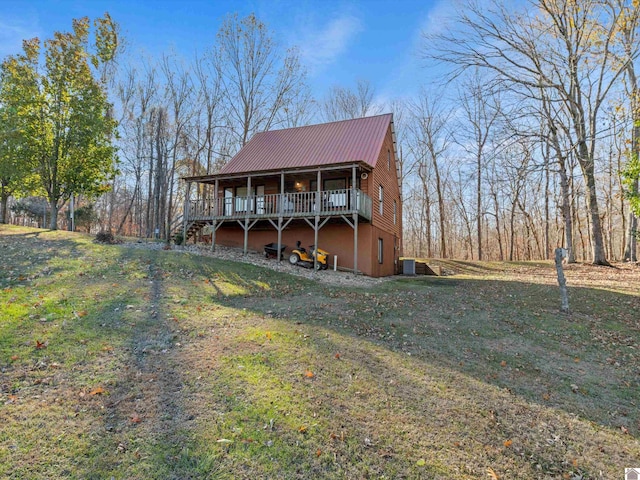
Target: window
x: 241, y: 199
x: 395, y: 212
x: 337, y: 187
x: 389, y: 160
x: 380, y: 200
x: 380, y: 250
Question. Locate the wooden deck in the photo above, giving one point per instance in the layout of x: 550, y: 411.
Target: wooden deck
x: 328, y: 203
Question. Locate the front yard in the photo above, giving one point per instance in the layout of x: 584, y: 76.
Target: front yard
x: 135, y: 364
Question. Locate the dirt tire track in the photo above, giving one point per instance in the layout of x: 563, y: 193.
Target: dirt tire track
x: 148, y: 397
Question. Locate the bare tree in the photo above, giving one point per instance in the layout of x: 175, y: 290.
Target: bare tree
x: 344, y: 104
x: 179, y: 89
x: 562, y: 47
x: 429, y: 141
x: 257, y: 81
x: 628, y: 38
x: 481, y: 110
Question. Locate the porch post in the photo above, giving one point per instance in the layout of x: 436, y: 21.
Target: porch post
x: 279, y: 206
x: 185, y: 213
x: 246, y: 216
x: 214, y: 226
x: 317, y: 219
x: 354, y: 205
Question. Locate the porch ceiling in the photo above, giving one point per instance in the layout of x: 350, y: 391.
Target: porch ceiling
x: 302, y: 173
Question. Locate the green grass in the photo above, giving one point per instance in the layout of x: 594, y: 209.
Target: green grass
x: 138, y: 364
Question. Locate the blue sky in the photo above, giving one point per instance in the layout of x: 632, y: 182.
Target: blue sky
x: 340, y: 41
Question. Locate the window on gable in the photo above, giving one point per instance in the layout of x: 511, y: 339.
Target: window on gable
x: 395, y: 212
x: 380, y: 250
x: 381, y: 200
x: 389, y: 160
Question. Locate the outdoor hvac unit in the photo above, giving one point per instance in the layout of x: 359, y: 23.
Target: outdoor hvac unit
x: 408, y: 267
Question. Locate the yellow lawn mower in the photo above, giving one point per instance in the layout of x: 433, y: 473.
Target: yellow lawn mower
x: 300, y: 256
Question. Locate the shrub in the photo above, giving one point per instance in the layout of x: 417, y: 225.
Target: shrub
x: 107, y: 237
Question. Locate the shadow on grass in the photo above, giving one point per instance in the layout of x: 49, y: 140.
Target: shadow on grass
x: 505, y: 333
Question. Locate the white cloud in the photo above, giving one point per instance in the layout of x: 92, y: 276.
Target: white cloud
x: 12, y: 33
x: 321, y: 47
x: 438, y: 18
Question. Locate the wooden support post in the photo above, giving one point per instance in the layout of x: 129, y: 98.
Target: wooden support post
x: 247, y: 206
x: 564, y: 296
x: 185, y: 213
x: 280, y: 209
x: 214, y: 227
x: 317, y: 219
x: 355, y: 219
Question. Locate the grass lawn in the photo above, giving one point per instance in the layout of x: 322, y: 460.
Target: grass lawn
x: 142, y: 364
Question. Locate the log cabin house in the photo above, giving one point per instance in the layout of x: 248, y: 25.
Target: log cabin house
x: 335, y: 185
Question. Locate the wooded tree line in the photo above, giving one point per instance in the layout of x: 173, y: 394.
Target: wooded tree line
x: 532, y: 143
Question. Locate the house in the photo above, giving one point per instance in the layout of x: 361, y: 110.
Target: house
x: 335, y: 185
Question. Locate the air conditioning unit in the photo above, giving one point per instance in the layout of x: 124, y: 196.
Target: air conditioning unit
x: 409, y: 266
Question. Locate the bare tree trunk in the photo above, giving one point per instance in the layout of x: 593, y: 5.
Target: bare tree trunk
x: 479, y: 204
x: 150, y: 184
x: 599, y: 256
x: 53, y: 215
x: 4, y: 200
x: 547, y: 195
x: 564, y: 295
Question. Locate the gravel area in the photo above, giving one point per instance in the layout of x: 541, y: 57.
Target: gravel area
x: 328, y: 277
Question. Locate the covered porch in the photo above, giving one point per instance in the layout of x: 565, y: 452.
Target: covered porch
x: 314, y: 196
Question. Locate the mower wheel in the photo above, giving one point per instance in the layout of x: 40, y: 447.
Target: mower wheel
x: 294, y: 259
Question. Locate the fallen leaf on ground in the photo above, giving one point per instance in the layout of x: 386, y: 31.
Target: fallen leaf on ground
x: 308, y: 374
x: 421, y: 462
x: 507, y: 443
x: 491, y: 472
x: 40, y: 345
x: 503, y: 363
x: 224, y: 440
x: 97, y: 391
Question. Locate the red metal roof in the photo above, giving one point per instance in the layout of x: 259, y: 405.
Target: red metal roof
x: 358, y: 140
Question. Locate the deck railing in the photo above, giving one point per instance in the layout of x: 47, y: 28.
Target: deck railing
x: 299, y: 204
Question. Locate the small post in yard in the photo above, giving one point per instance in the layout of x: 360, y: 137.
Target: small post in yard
x: 564, y: 296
